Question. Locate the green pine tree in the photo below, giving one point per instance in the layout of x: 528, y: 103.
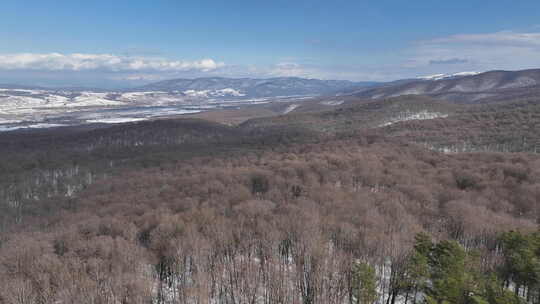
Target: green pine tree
x: 364, y: 283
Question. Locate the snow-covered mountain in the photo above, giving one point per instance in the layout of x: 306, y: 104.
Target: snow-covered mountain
x: 36, y: 106
x: 465, y: 87
x: 252, y: 88
x: 446, y: 76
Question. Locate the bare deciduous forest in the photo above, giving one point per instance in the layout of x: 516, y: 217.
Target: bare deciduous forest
x: 275, y: 211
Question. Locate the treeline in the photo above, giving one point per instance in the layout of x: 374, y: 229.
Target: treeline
x: 330, y: 220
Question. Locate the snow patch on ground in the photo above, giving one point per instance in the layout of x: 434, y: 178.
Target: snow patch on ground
x: 521, y: 82
x: 410, y: 91
x: 433, y: 77
x: 9, y: 121
x: 227, y: 92
x: 93, y: 99
x: 472, y: 73
x: 135, y: 95
x: 231, y: 92
x: 33, y: 126
x: 407, y: 115
x: 153, y: 97
x: 444, y: 76
x: 27, y: 103
x: 332, y: 102
x: 290, y: 108
x: 193, y: 93
x: 133, y: 115
x: 115, y: 120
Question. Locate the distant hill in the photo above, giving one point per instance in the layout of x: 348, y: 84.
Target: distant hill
x: 479, y: 88
x: 19, y: 87
x: 495, y: 127
x: 358, y: 114
x: 252, y: 88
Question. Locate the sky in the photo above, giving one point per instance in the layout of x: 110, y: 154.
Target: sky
x: 129, y: 43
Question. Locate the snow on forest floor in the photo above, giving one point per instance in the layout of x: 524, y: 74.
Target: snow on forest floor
x: 290, y: 108
x: 407, y: 115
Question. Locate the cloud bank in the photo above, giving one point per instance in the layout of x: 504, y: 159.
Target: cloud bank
x: 503, y: 38
x: 449, y: 61
x: 499, y: 50
x: 101, y: 62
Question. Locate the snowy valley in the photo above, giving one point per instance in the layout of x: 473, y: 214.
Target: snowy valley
x: 42, y: 108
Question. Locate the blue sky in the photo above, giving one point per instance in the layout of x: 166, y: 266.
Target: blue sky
x: 123, y: 43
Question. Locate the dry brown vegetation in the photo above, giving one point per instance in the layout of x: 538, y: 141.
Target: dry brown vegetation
x: 187, y: 211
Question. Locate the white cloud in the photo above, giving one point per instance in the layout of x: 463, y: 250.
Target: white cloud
x: 139, y: 77
x: 103, y: 62
x: 290, y: 69
x: 455, y: 53
x: 507, y: 50
x: 504, y: 38
x: 295, y: 69
x: 499, y: 50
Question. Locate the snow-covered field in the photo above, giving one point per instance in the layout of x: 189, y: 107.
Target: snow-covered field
x: 40, y: 108
x: 32, y: 126
x: 228, y: 92
x: 115, y: 120
x: 31, y: 99
x: 21, y: 101
x: 31, y: 109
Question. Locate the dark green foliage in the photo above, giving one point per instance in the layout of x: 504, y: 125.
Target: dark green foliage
x: 521, y: 266
x: 259, y: 184
x: 496, y: 293
x: 417, y: 269
x: 363, y: 283
x: 449, y: 277
x: 465, y: 181
x: 446, y: 273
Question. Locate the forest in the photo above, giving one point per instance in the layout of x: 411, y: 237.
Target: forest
x: 276, y: 210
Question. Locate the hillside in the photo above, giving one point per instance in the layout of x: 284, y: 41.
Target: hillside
x: 484, y: 87
x: 509, y: 127
x: 356, y: 114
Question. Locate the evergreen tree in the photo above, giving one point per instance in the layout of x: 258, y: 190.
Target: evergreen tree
x: 417, y: 270
x: 448, y: 275
x: 496, y: 293
x: 521, y: 262
x: 364, y: 283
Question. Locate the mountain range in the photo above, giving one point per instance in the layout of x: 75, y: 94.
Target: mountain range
x: 476, y: 88
x: 462, y: 87
x: 252, y: 88
x: 29, y: 105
